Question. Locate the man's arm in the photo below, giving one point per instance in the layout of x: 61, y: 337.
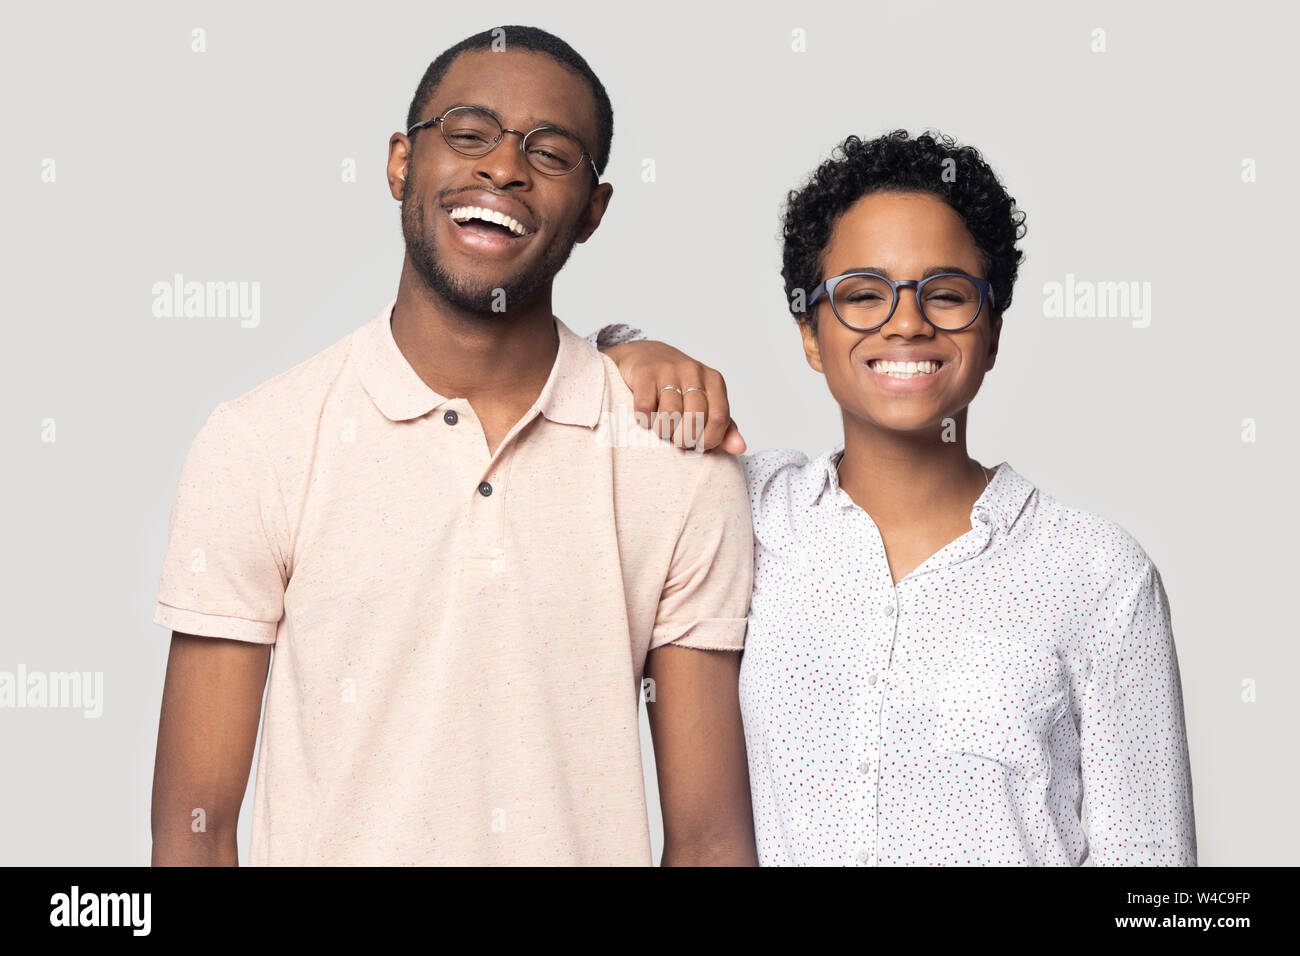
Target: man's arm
x: 699, y: 419
x: 699, y: 743
x: 212, y: 703
x: 693, y: 662
x: 221, y: 595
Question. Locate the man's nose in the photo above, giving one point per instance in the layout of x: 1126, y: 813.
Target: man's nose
x: 505, y: 164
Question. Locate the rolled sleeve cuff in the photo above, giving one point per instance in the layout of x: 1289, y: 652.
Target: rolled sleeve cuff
x: 215, y: 625
x: 709, y: 634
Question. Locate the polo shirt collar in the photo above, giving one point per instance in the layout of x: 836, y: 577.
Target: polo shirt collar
x: 574, y: 393
x: 1004, y: 498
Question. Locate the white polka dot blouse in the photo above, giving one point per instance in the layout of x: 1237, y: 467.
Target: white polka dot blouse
x: 1017, y: 685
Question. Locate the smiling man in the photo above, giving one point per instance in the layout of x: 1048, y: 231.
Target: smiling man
x: 464, y: 574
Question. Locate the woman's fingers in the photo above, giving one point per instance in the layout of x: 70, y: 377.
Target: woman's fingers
x: 717, y: 407
x: 685, y: 402
x: 695, y: 412
x: 733, y: 443
x: 670, y: 408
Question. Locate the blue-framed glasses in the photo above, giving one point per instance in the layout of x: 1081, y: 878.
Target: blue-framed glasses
x: 864, y: 301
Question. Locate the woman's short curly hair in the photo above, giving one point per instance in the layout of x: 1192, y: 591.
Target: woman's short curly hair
x: 895, y: 162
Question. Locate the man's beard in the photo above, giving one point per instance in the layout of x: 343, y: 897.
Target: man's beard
x: 515, y: 291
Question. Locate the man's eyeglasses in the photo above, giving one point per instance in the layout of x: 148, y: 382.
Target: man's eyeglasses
x: 473, y: 132
x: 864, y: 301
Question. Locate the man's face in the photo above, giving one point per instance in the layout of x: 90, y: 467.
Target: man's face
x: 904, y: 234
x: 477, y: 267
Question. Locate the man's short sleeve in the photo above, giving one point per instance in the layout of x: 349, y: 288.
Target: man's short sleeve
x: 705, y: 600
x: 225, y: 571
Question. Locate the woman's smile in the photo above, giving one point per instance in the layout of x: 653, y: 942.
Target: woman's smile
x: 905, y: 375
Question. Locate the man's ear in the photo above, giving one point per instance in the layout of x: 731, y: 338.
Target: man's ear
x: 399, y: 155
x: 595, y: 211
x: 811, y: 350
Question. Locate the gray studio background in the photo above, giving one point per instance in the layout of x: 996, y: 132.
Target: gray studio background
x: 227, y: 165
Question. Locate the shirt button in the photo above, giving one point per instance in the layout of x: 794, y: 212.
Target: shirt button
x: 871, y: 679
x: 450, y: 417
x: 865, y: 767
x: 980, y: 515
x: 887, y: 610
x: 864, y: 855
x: 485, y: 489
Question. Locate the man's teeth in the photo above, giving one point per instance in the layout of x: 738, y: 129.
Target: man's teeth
x: 466, y: 213
x: 905, y: 369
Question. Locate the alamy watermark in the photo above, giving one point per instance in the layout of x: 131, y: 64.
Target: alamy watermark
x: 625, y: 428
x: 179, y: 299
x: 60, y: 690
x: 1085, y: 299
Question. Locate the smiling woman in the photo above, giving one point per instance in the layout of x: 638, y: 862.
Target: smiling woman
x: 942, y: 661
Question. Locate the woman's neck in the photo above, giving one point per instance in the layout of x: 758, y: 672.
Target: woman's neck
x: 900, y: 478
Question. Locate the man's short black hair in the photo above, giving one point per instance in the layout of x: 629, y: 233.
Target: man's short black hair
x: 522, y: 38
x: 895, y: 162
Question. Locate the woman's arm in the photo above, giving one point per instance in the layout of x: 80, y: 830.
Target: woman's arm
x: 1137, y: 780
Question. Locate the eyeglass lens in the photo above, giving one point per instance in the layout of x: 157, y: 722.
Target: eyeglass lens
x: 473, y: 132
x: 950, y: 302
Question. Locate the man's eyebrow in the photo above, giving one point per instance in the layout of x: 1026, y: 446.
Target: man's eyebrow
x: 932, y: 271
x: 500, y: 122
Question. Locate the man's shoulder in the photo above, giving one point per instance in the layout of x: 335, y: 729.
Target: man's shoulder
x: 300, y: 386
x: 281, y: 416
x: 656, y: 461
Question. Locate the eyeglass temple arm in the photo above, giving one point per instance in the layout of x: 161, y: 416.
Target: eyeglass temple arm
x: 422, y: 124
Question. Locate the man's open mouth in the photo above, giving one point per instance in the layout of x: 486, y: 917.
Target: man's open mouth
x: 905, y: 369
x: 487, y: 222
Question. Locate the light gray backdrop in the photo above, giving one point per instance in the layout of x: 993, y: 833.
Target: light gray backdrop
x: 1152, y: 144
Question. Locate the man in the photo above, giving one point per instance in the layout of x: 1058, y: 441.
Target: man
x: 463, y: 570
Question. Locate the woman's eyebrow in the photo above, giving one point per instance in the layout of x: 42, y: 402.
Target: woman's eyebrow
x: 932, y: 271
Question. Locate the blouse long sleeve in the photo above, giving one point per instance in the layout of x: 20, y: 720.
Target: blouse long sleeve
x: 1135, y: 765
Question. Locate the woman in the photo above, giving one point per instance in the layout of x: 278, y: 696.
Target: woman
x: 944, y: 664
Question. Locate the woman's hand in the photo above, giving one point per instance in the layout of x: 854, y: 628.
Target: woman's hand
x: 699, y: 418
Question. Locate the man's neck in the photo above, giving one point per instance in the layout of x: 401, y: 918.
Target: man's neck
x: 501, y: 359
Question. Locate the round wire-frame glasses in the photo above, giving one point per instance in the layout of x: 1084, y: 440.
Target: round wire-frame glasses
x: 540, y: 159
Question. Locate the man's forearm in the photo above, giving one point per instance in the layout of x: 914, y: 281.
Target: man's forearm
x: 172, y: 847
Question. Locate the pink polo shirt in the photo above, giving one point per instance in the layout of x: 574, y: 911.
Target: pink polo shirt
x: 459, y: 637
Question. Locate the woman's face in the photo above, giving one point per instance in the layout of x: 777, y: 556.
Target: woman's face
x: 901, y: 236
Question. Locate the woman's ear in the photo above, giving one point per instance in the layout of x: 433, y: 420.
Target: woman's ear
x: 993, y: 342
x: 811, y: 350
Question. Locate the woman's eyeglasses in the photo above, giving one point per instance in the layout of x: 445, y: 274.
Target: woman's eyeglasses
x: 864, y: 301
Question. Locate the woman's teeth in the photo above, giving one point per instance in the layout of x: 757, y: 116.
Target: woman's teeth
x: 904, y: 369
